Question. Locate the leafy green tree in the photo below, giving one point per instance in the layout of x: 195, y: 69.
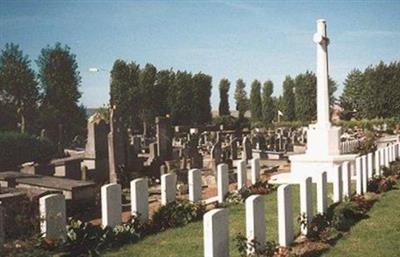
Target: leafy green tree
x: 19, y: 93
x: 180, y: 98
x: 288, y: 100
x: 255, y: 101
x: 224, y: 85
x: 201, y: 106
x: 268, y: 106
x: 242, y: 102
x: 59, y: 81
x: 125, y: 93
x: 306, y: 95
x: 147, y: 80
x: 164, y: 81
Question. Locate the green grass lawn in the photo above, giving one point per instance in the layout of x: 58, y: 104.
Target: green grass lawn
x: 188, y: 240
x: 378, y: 235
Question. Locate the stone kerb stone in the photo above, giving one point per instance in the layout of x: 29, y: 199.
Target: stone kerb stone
x: 285, y: 215
x: 216, y: 233
x: 168, y: 188
x: 255, y: 170
x: 140, y: 198
x: 194, y: 185
x: 359, y: 176
x: 322, y: 196
x: 346, y: 178
x: 53, y: 216
x: 306, y: 202
x: 241, y: 174
x: 255, y: 221
x: 111, y: 207
x: 222, y: 181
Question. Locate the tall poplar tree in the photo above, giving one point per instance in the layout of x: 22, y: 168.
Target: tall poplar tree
x: 223, y: 109
x: 268, y: 106
x: 255, y: 101
x: 288, y: 100
x: 242, y: 102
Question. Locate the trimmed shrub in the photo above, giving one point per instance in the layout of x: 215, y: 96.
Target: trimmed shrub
x: 17, y: 148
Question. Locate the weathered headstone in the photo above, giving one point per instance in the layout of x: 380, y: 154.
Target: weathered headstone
x: 246, y: 152
x: 53, y: 217
x: 285, y: 215
x: 359, y: 176
x: 168, y: 188
x: 222, y: 181
x: 194, y: 185
x: 216, y: 233
x: 241, y: 174
x: 111, y: 207
x: 216, y: 152
x: 233, y: 146
x: 255, y: 222
x: 346, y: 178
x: 306, y: 203
x: 164, y: 138
x: 337, y: 184
x: 255, y: 170
x: 322, y: 196
x: 140, y: 198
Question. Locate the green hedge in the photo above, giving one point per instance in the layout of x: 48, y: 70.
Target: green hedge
x: 17, y: 148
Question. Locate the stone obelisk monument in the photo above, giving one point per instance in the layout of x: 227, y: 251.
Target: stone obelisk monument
x: 323, y: 139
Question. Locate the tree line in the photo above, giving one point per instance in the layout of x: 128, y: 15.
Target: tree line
x: 48, y: 99
x: 141, y: 94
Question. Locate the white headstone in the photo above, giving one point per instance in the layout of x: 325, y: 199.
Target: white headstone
x: 359, y: 177
x: 322, y: 196
x: 386, y: 156
x: 346, y: 178
x: 370, y: 163
x: 337, y: 184
x: 377, y: 162
x: 140, y: 198
x: 111, y: 205
x: 285, y: 215
x: 223, y: 181
x: 382, y: 158
x: 2, y: 229
x: 216, y: 233
x: 241, y: 174
x: 306, y: 202
x: 255, y: 221
x: 364, y: 172
x: 53, y: 216
x: 168, y: 188
x: 194, y: 185
x: 255, y: 170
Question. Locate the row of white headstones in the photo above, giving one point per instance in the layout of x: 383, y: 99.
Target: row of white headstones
x: 53, y: 211
x: 349, y: 146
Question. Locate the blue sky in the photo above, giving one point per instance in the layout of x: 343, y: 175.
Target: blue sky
x: 233, y: 39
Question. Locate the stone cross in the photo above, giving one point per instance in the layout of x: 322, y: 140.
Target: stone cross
x: 322, y: 41
x: 53, y: 216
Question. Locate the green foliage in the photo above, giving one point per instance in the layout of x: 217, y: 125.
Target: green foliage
x: 19, y: 93
x: 16, y: 148
x: 317, y: 226
x: 305, y: 85
x: 345, y: 214
x: 59, y: 82
x: 178, y: 213
x: 242, y: 102
x: 368, y: 145
x: 180, y: 98
x: 268, y: 105
x: 224, y: 85
x: 380, y: 184
x: 269, y: 249
x: 164, y: 80
x: 147, y: 80
x: 255, y: 101
x: 259, y: 188
x: 372, y: 93
x: 288, y: 100
x: 201, y: 106
x: 125, y: 92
